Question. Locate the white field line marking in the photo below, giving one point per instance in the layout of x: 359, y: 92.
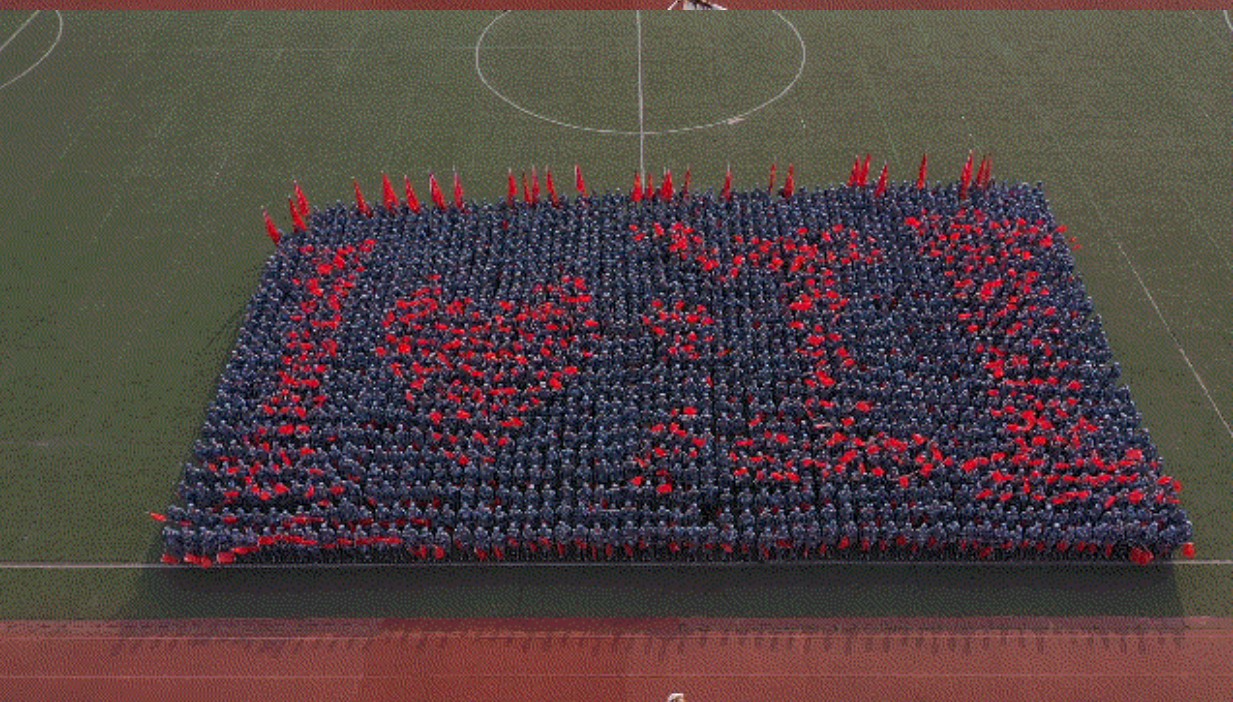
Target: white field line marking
x: 615, y: 565
x: 726, y: 121
x: 641, y: 102
x: 23, y: 26
x: 54, y: 43
x: 1105, y: 229
x: 1228, y: 22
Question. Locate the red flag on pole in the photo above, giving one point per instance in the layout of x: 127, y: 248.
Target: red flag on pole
x: 789, y: 186
x: 636, y: 195
x: 511, y: 190
x: 526, y: 189
x: 923, y: 176
x: 648, y: 188
x: 689, y: 180
x: 727, y: 194
x: 270, y: 229
x: 388, y: 194
x: 296, y: 220
x: 966, y: 179
x: 552, y: 188
x: 438, y: 197
x: 579, y: 183
x: 770, y: 188
x: 982, y: 174
x: 412, y: 200
x: 883, y: 180
x: 534, y: 186
x: 854, y: 179
x: 667, y: 190
x: 158, y: 517
x: 864, y: 179
x: 360, y: 202
x: 301, y: 201
x: 458, y: 194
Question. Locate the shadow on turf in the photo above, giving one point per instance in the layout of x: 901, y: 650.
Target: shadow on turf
x: 862, y: 590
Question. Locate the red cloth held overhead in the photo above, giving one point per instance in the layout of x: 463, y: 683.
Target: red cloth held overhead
x: 158, y: 517
x: 387, y: 192
x: 923, y: 175
x: 648, y: 188
x: 789, y: 186
x: 864, y: 179
x: 727, y: 194
x: 636, y: 195
x: 667, y: 191
x: 534, y: 186
x: 458, y: 193
x: 770, y: 187
x: 854, y: 178
x: 511, y: 189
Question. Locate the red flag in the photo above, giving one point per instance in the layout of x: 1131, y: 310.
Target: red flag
x: 412, y: 200
x: 301, y: 201
x: 1188, y: 550
x: 552, y: 188
x: 388, y: 194
x: 458, y: 194
x: 667, y: 190
x: 270, y: 229
x: 789, y: 186
x: 226, y: 557
x: 770, y: 188
x: 648, y: 188
x: 360, y: 202
x: 637, y: 192
x: 534, y: 186
x: 966, y: 179
x: 923, y: 175
x: 511, y: 190
x: 158, y: 517
x: 984, y: 173
x: 854, y: 179
x: 727, y: 194
x: 296, y: 220
x: 526, y: 189
x: 579, y: 183
x: 864, y: 179
x: 170, y: 559
x: 883, y: 179
x: 689, y: 180
x: 438, y: 197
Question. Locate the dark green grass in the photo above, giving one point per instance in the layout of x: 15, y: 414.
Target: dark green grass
x: 135, y: 160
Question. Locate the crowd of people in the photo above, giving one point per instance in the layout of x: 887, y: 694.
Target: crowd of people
x: 898, y: 371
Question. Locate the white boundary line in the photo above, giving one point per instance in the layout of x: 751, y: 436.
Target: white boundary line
x: 1105, y: 229
x: 1228, y: 22
x: 727, y: 121
x: 54, y: 44
x: 641, y: 102
x: 641, y: 565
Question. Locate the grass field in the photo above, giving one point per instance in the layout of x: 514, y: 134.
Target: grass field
x: 136, y: 151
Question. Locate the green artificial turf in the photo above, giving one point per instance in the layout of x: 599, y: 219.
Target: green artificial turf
x: 135, y: 160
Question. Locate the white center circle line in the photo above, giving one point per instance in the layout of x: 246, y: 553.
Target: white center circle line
x: 54, y: 43
x: 726, y: 121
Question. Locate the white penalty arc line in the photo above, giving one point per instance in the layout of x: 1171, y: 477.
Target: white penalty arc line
x: 56, y: 42
x: 727, y: 121
x: 1228, y: 22
x: 23, y: 26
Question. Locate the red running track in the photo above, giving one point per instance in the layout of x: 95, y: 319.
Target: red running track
x: 640, y: 660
